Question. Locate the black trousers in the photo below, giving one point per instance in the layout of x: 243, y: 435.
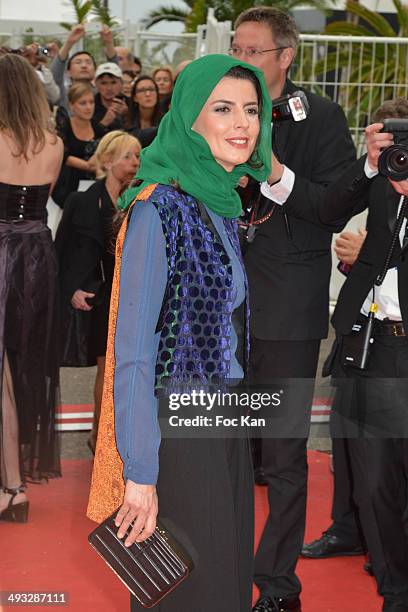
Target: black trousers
x: 371, y: 413
x: 205, y: 492
x: 345, y: 516
x: 285, y: 464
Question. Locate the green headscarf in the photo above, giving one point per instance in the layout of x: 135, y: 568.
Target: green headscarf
x: 180, y: 155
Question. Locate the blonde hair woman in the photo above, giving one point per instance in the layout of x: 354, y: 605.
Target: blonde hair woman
x: 85, y: 248
x: 31, y: 156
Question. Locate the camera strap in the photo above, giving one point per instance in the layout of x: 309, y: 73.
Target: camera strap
x: 395, y: 236
x: 356, y: 345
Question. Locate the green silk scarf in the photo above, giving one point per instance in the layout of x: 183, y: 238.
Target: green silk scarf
x: 178, y: 155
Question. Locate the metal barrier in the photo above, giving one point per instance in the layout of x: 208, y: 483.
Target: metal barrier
x: 359, y: 73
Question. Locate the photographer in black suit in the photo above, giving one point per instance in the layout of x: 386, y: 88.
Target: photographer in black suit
x: 288, y: 266
x: 371, y: 406
x: 343, y: 537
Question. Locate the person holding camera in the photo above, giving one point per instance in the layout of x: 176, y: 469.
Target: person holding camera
x: 369, y: 360
x: 37, y: 56
x: 288, y: 265
x: 343, y: 537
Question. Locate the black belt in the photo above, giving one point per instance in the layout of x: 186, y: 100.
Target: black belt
x: 388, y: 328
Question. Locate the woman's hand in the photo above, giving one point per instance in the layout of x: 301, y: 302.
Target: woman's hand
x: 140, y: 505
x: 376, y: 141
x: 78, y: 300
x: 91, y: 166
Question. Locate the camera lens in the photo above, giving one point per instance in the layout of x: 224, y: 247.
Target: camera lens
x: 393, y: 162
x: 398, y: 161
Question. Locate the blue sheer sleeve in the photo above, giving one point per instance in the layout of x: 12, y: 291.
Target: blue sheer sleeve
x: 142, y: 285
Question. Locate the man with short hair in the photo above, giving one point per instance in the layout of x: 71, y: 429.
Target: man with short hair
x: 81, y: 65
x: 288, y: 265
x: 110, y: 105
x: 125, y: 58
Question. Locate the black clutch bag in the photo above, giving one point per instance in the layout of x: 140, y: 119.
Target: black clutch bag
x: 150, y: 569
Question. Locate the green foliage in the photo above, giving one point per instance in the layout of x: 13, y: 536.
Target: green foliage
x: 195, y: 12
x: 166, y: 13
x: 197, y: 15
x: 370, y: 73
x: 84, y: 9
x: 29, y: 37
x: 81, y: 10
x: 103, y: 14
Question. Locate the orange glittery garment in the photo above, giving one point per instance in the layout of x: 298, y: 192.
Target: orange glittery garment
x: 108, y: 486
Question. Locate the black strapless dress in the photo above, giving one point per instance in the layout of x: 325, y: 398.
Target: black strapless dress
x: 29, y: 325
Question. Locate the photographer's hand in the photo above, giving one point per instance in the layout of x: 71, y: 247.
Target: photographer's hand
x: 119, y: 106
x: 376, y: 141
x: 277, y: 171
x: 400, y: 187
x: 347, y: 246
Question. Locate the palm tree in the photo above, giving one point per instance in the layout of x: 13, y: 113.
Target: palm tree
x: 195, y: 12
x: 168, y: 13
x: 83, y: 9
x: 373, y: 72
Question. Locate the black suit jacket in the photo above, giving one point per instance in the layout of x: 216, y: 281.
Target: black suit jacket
x: 80, y: 240
x: 289, y: 275
x: 350, y: 195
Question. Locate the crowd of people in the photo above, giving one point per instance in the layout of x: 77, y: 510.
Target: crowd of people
x: 152, y: 165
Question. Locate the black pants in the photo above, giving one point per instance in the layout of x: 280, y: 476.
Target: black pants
x: 346, y: 522
x: 285, y: 464
x: 205, y: 492
x: 371, y: 412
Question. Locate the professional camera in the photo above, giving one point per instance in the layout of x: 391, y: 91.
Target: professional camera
x: 393, y: 161
x: 293, y: 106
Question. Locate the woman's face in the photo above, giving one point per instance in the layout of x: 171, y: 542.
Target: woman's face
x: 127, y: 83
x: 145, y: 94
x: 164, y: 82
x: 125, y: 168
x: 84, y: 107
x: 229, y: 122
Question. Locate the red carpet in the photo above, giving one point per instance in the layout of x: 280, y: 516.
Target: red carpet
x: 51, y: 552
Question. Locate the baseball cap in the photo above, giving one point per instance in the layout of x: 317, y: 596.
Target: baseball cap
x: 108, y: 68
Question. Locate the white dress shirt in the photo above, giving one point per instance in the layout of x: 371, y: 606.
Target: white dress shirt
x: 385, y: 296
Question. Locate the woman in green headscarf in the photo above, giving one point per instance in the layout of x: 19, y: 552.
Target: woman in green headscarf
x: 178, y: 280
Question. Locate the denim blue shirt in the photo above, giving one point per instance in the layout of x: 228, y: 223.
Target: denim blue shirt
x: 143, y: 283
